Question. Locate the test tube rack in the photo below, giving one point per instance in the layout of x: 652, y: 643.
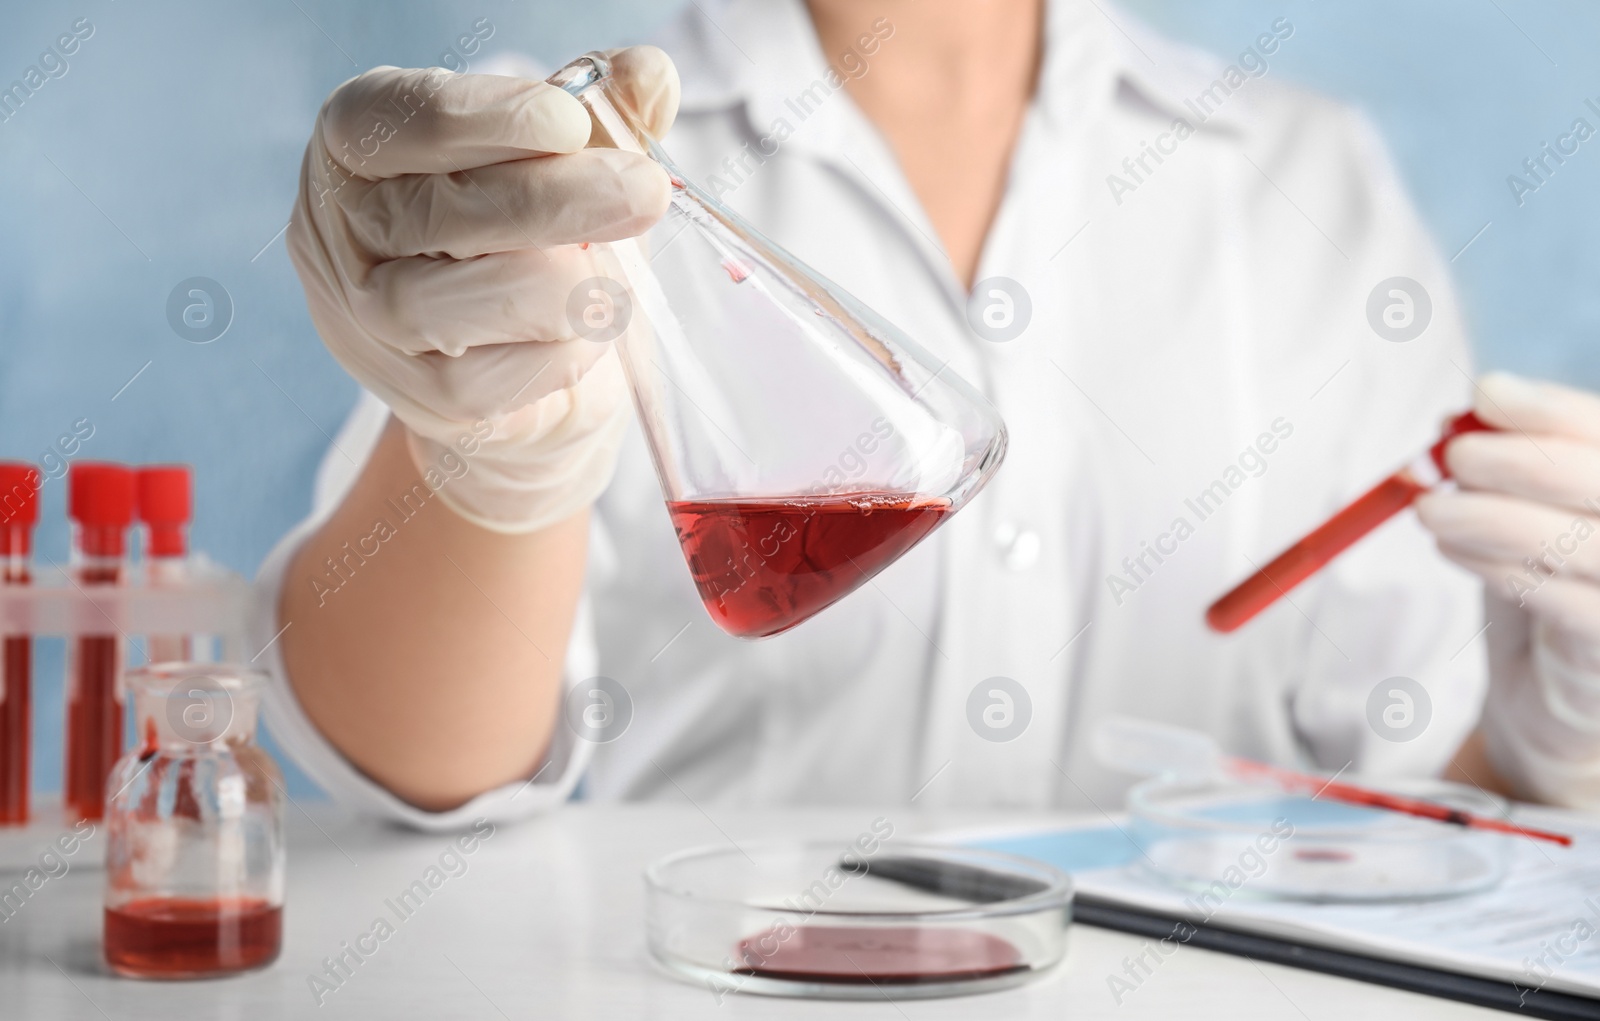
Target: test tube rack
x: 209, y: 601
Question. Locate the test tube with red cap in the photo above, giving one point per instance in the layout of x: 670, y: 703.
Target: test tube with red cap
x: 100, y: 501
x: 165, y: 507
x: 1313, y: 552
x: 19, y: 511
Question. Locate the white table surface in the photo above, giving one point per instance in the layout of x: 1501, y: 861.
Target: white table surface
x: 547, y: 922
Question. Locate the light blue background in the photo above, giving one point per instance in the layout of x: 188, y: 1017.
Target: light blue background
x: 172, y: 146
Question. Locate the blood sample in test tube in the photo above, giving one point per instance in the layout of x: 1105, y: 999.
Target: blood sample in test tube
x: 165, y: 508
x: 100, y: 501
x: 19, y: 510
x: 1313, y: 552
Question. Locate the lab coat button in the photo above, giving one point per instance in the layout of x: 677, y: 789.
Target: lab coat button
x: 1019, y: 547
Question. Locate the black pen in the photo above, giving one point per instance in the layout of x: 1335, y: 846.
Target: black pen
x: 950, y: 879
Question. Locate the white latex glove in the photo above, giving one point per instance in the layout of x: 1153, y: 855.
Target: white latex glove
x: 439, y: 234
x: 1527, y: 519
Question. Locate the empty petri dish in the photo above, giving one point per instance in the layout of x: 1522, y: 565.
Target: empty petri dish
x: 827, y: 920
x: 1257, y: 841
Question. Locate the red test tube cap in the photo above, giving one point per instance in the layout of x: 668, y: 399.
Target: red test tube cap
x: 19, y: 493
x: 100, y: 498
x: 100, y: 493
x: 165, y: 505
x: 1457, y: 425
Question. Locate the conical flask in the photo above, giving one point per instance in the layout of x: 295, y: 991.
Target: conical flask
x: 802, y: 442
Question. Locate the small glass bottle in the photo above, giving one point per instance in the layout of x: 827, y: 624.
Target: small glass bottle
x: 195, y: 823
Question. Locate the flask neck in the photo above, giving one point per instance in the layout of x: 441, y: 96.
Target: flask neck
x: 614, y: 123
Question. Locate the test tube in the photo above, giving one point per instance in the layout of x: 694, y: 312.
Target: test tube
x: 164, y: 508
x: 1313, y: 552
x: 100, y: 500
x: 19, y: 510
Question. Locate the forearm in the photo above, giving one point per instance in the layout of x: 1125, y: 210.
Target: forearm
x: 432, y: 658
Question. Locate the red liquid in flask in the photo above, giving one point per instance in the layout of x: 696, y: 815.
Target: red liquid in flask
x: 884, y: 955
x: 178, y: 937
x: 763, y: 566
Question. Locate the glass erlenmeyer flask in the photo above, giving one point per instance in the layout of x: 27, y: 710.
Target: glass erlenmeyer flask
x: 803, y: 443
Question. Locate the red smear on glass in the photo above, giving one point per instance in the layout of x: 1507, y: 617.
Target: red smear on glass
x: 147, y: 751
x: 736, y: 272
x: 178, y: 937
x: 900, y: 955
x: 1323, y: 854
x: 763, y: 566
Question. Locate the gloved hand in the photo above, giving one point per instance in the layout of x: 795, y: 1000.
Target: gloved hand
x: 439, y: 233
x: 1527, y: 519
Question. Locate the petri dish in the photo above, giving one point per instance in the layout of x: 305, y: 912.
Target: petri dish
x: 827, y: 921
x: 1259, y: 842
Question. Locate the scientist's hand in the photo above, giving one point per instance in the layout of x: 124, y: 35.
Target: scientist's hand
x: 1527, y: 519
x: 439, y: 233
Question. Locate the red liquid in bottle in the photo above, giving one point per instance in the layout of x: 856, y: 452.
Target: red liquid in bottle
x: 898, y: 955
x: 176, y: 937
x: 763, y: 566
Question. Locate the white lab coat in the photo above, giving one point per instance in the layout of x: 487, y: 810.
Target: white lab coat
x: 1181, y: 311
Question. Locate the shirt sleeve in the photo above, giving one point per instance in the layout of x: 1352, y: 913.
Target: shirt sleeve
x: 550, y: 785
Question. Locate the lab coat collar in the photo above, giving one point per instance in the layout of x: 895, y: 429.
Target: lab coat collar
x: 763, y: 57
x: 764, y: 54
x: 1180, y: 81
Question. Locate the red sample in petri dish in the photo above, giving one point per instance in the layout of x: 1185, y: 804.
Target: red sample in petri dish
x: 177, y: 937
x: 877, y: 955
x: 19, y: 511
x: 762, y: 566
